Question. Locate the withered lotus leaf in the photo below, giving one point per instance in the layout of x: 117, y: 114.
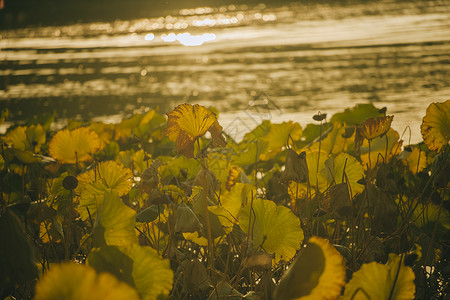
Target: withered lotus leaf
x: 72, y: 146
x: 186, y: 123
x: 375, y: 127
x: 296, y: 167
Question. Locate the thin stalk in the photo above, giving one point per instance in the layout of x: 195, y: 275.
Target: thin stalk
x: 430, y: 244
x: 396, y: 278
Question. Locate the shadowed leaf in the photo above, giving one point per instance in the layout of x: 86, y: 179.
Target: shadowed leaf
x: 436, y: 125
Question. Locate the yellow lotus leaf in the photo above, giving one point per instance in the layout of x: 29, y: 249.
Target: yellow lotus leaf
x: 26, y: 138
x: 279, y: 136
x: 416, y: 160
x: 334, y: 142
x: 318, y: 272
x: 379, y: 149
x: 354, y: 171
x: 72, y: 281
x: 186, y: 123
x: 112, y: 176
x: 315, y: 161
x: 219, y: 164
x: 375, y: 127
x: 393, y: 281
x: 2, y: 162
x: 141, y: 161
x: 115, y: 222
x: 436, y: 125
x: 271, y: 228
x: 72, y: 146
x: 229, y: 206
x: 92, y: 184
x: 105, y: 132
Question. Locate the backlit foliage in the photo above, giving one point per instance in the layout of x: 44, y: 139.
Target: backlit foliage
x: 163, y: 206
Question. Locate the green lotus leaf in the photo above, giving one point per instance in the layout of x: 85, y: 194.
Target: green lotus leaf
x: 176, y: 167
x: 274, y: 229
x: 377, y: 281
x: 72, y: 281
x: 427, y: 214
x: 59, y: 197
x: 150, y: 213
x: 140, y: 162
x: 115, y: 222
x: 152, y: 275
x: 318, y: 272
x: 279, y: 136
x: 334, y: 142
x: 112, y: 260
x: 354, y: 171
x: 26, y: 138
x: 258, y: 132
x: 25, y: 156
x: 357, y: 114
x: 247, y: 153
x: 219, y: 164
x: 186, y: 220
x: 17, y: 261
x: 2, y: 162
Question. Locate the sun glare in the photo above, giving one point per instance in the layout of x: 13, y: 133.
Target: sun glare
x: 187, y: 39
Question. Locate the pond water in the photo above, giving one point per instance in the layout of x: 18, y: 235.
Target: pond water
x: 250, y: 62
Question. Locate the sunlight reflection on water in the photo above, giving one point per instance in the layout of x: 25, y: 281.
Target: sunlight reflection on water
x: 308, y: 58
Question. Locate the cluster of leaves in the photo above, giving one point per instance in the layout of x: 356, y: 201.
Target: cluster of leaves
x: 158, y: 207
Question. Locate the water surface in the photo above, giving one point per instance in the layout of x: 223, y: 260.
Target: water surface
x: 249, y: 62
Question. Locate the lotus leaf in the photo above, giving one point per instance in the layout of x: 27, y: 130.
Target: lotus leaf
x: 274, y: 229
x: 279, y: 136
x: 115, y: 222
x: 357, y: 114
x: 375, y: 127
x: 416, y: 160
x: 72, y: 146
x: 92, y: 184
x: 318, y: 272
x: 379, y: 148
x: 436, y: 125
x: 139, y: 266
x: 152, y: 275
x: 186, y: 123
x: 345, y: 168
x: 377, y: 281
x: 229, y: 206
x: 26, y: 138
x: 71, y: 281
x: 334, y: 142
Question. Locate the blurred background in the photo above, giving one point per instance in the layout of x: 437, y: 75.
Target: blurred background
x: 252, y: 60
